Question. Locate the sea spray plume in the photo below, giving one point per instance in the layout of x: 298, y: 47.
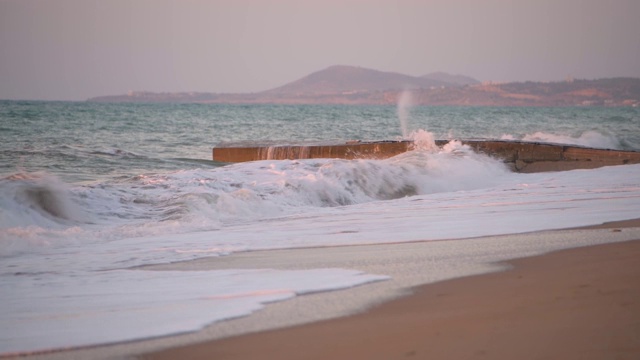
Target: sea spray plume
x: 405, y: 101
x: 423, y: 140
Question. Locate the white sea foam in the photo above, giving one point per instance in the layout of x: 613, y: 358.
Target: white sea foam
x: 63, y: 311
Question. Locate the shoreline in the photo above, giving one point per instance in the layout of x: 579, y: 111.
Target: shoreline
x: 578, y: 303
x: 399, y: 325
x: 319, y: 307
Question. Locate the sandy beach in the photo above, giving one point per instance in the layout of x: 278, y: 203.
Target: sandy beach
x: 578, y: 303
x: 572, y: 304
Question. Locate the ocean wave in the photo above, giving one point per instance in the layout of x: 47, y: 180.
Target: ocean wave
x: 199, y: 162
x: 43, y: 207
x: 36, y: 209
x: 256, y: 189
x: 39, y: 198
x: 589, y: 138
x: 114, y: 152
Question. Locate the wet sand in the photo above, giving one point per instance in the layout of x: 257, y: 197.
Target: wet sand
x: 581, y: 303
x: 568, y: 303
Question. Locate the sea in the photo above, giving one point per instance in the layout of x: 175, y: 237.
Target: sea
x: 89, y: 192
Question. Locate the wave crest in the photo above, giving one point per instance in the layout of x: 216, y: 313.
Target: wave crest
x: 37, y: 199
x: 589, y: 138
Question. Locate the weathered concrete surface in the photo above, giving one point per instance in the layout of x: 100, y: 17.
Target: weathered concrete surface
x: 539, y: 157
x: 356, y: 150
x: 520, y: 156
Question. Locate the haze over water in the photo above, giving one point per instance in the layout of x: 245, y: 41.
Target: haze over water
x: 88, y: 191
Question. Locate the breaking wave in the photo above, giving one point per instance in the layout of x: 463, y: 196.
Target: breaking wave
x: 43, y: 207
x: 592, y: 139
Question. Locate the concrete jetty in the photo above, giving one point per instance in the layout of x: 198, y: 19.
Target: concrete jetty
x: 520, y: 156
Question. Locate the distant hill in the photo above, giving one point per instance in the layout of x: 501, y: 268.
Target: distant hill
x: 599, y: 92
x: 341, y: 79
x: 355, y: 85
x: 459, y: 80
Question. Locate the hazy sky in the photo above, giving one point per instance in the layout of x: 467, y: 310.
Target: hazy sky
x: 75, y: 49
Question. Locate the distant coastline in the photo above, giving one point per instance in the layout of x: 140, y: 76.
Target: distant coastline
x: 356, y: 85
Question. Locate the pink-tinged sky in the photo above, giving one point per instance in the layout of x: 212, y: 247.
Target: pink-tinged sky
x: 75, y: 49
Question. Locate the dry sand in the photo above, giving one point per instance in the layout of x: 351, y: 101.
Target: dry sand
x: 580, y: 303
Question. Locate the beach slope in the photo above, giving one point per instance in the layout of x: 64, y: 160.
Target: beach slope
x: 573, y: 304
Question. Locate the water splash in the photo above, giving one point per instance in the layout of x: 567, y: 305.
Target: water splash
x: 423, y: 140
x: 405, y: 101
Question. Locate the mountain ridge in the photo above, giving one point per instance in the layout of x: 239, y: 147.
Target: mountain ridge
x: 345, y: 79
x: 451, y: 79
x: 341, y: 84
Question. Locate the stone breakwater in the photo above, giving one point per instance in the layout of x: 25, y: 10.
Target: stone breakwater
x: 519, y: 156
